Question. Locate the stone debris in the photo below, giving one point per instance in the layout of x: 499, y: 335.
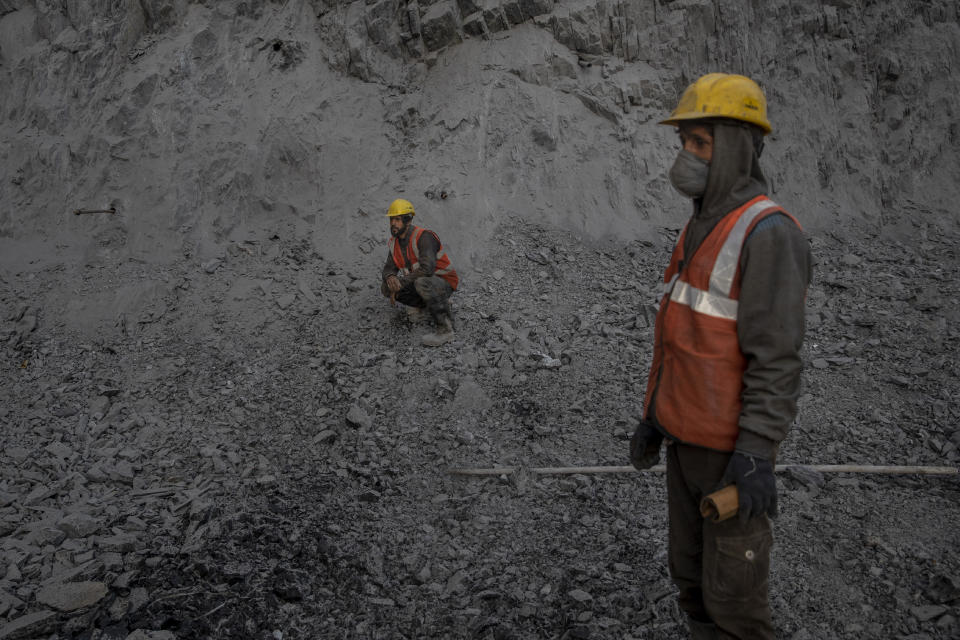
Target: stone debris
x: 286, y: 300
x: 470, y: 397
x: 944, y: 588
x: 545, y: 361
x: 358, y: 417
x: 78, y: 525
x: 928, y: 612
x: 806, y: 475
x: 141, y: 634
x: 71, y: 596
x: 30, y: 625
x: 436, y: 339
x: 579, y: 595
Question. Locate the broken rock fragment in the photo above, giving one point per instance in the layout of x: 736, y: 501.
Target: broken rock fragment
x: 78, y: 525
x: 806, y: 475
x: 440, y: 25
x: 38, y: 495
x: 122, y: 543
x: 286, y: 300
x: 72, y: 595
x: 59, y: 449
x: 29, y: 626
x: 581, y: 596
x: 142, y: 634
x: 358, y: 417
x: 927, y: 612
x: 436, y: 339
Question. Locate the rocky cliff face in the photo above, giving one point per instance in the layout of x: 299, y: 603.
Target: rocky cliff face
x: 202, y: 120
x: 214, y: 127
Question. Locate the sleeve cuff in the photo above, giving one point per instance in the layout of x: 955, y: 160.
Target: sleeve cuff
x: 756, y: 445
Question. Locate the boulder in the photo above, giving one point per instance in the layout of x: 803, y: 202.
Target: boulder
x: 519, y: 11
x: 440, y: 26
x: 382, y: 30
x: 578, y: 30
x: 493, y: 16
x: 474, y: 24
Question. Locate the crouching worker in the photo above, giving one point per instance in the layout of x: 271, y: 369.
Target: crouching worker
x: 418, y: 272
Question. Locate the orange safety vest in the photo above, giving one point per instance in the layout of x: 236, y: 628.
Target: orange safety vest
x: 697, y: 372
x: 411, y: 260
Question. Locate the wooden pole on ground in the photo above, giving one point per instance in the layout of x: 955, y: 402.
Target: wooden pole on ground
x: 781, y: 468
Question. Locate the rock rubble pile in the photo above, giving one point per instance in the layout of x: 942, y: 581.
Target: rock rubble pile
x: 283, y: 473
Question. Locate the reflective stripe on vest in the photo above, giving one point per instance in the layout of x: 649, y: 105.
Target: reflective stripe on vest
x: 704, y: 302
x: 413, y: 247
x: 717, y: 301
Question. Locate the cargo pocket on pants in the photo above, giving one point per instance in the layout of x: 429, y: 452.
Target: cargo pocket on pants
x: 739, y: 567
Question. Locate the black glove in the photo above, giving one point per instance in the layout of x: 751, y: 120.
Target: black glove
x: 645, y: 446
x: 756, y: 486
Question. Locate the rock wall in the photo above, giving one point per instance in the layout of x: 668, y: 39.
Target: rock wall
x: 206, y: 123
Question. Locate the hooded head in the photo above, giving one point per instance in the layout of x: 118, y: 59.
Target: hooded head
x: 730, y: 113
x: 734, y: 175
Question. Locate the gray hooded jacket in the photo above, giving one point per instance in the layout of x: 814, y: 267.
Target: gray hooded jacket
x: 775, y: 267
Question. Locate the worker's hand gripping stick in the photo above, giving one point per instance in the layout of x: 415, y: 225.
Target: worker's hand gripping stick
x: 720, y: 505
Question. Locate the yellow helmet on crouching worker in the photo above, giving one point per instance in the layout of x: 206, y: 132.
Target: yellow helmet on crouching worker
x: 400, y: 207
x: 722, y: 95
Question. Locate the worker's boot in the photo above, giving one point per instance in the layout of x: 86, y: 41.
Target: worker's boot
x: 444, y: 316
x: 436, y: 339
x: 445, y: 321
x: 444, y: 333
x: 415, y: 314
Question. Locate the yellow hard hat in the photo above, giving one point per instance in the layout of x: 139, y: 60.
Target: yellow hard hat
x: 723, y: 95
x: 400, y: 207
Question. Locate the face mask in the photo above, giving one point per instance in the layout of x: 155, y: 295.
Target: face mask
x: 689, y: 174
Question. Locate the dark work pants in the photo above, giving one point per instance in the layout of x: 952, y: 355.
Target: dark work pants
x: 720, y: 568
x: 430, y: 292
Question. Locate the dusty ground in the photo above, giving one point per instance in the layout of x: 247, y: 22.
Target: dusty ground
x: 286, y: 472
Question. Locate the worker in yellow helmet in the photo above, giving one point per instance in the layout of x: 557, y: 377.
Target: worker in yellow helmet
x: 418, y: 272
x: 726, y: 369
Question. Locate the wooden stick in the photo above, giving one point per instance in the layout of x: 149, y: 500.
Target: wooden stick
x: 781, y: 468
x: 720, y: 505
x: 870, y: 468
